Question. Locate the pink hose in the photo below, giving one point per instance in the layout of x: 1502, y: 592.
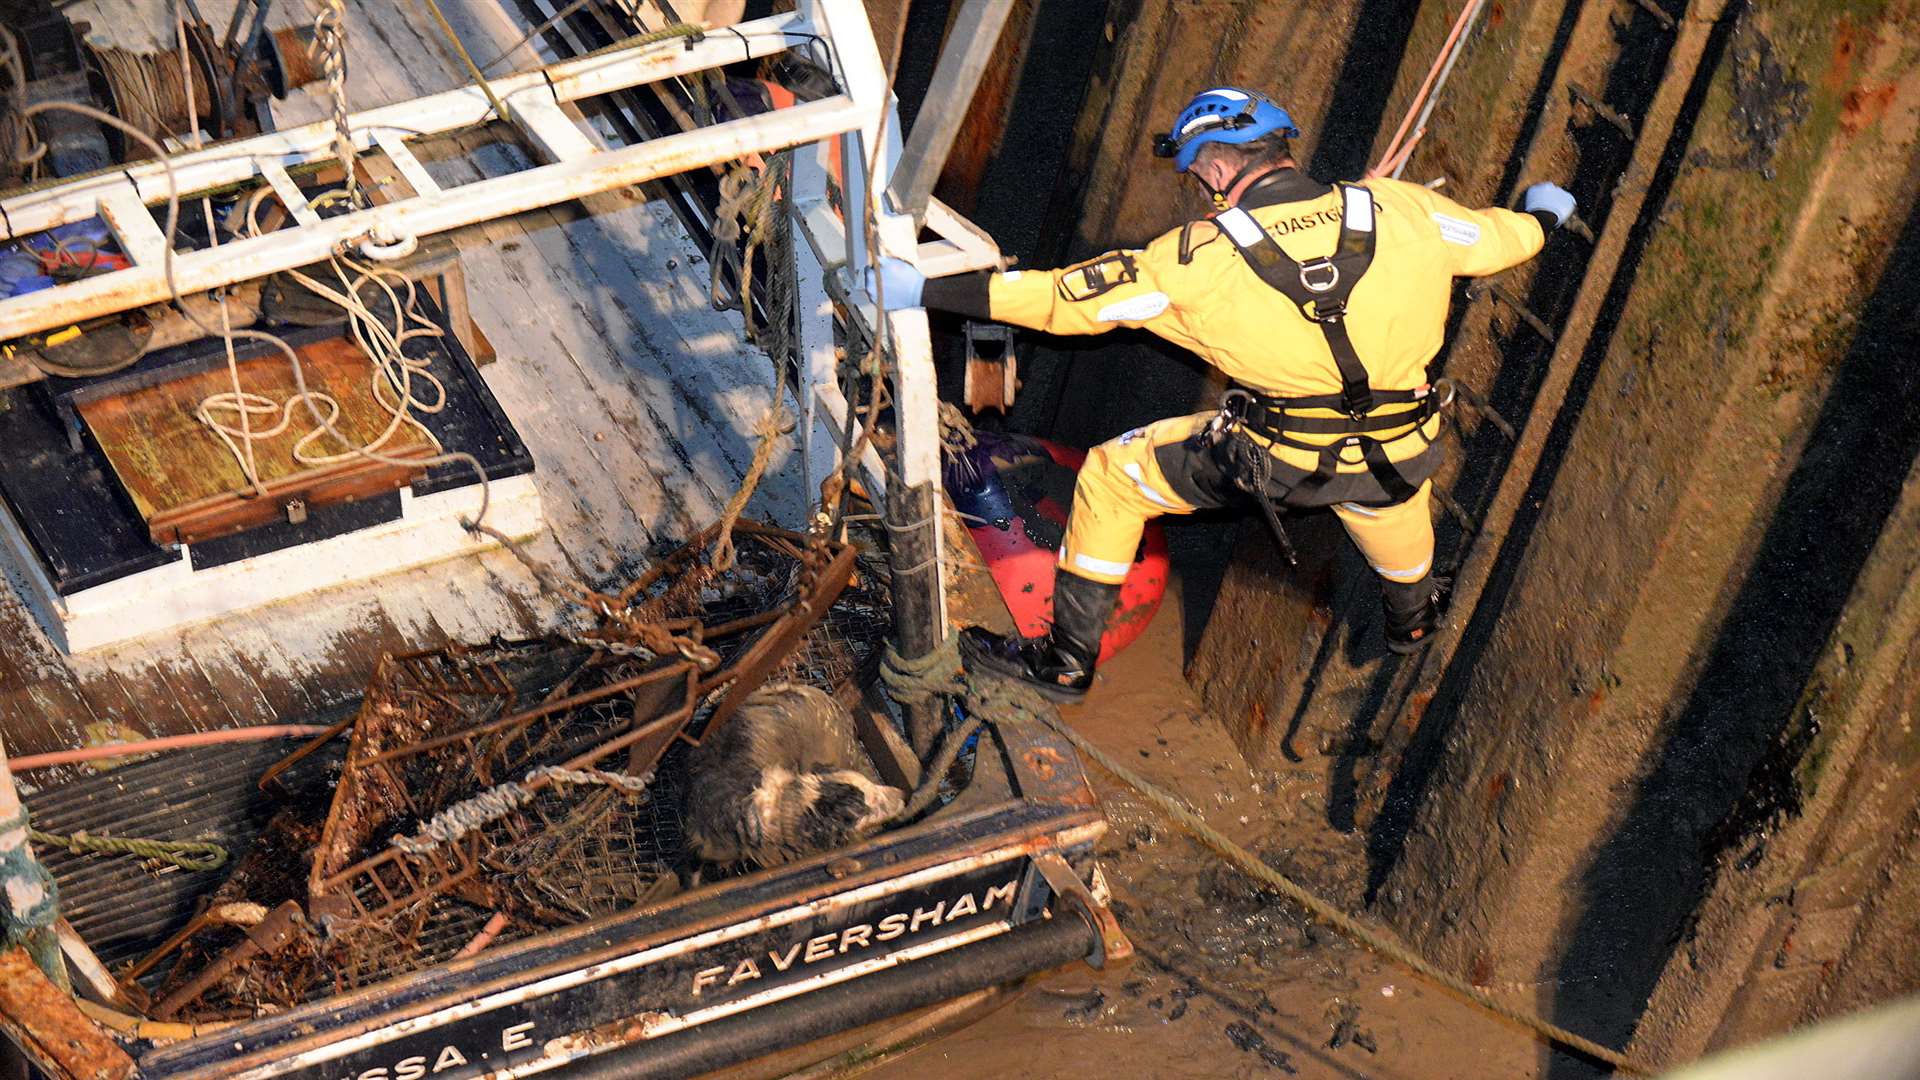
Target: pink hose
x: 169, y: 742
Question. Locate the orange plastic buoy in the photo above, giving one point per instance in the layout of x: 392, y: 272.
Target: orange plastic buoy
x: 1016, y: 492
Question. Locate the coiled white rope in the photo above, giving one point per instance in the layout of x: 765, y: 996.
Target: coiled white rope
x: 393, y: 379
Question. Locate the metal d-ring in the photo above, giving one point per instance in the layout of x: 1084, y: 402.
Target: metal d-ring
x: 1315, y: 267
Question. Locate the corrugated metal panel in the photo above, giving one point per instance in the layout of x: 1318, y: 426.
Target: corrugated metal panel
x: 120, y: 905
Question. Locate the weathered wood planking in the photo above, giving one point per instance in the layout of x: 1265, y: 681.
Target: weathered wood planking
x: 177, y: 469
x: 637, y: 400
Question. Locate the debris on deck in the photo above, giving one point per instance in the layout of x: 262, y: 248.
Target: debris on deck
x: 503, y: 788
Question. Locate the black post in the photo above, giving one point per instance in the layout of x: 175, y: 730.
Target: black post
x: 918, y: 628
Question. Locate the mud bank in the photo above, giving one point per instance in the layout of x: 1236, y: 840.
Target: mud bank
x: 1658, y: 778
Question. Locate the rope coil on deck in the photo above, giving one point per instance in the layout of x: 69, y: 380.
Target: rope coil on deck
x: 940, y: 673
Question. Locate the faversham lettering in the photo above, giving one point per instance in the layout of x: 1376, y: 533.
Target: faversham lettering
x: 864, y: 935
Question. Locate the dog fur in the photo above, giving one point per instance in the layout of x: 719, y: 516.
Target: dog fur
x: 783, y: 778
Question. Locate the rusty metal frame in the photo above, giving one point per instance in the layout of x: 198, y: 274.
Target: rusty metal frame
x: 386, y: 882
x: 828, y: 567
x: 49, y: 1028
x: 400, y: 880
x: 1041, y: 775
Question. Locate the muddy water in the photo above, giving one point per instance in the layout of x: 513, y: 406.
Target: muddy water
x: 1230, y: 981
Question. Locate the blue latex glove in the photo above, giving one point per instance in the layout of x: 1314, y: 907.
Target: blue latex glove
x: 1551, y: 198
x: 900, y: 281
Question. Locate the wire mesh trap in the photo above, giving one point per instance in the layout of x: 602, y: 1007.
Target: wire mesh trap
x: 565, y: 749
x: 423, y: 805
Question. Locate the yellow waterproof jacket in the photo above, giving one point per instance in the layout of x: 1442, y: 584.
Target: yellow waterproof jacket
x: 1193, y: 287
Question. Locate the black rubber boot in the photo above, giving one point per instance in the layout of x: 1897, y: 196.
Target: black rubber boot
x: 1413, y: 613
x: 1059, y: 664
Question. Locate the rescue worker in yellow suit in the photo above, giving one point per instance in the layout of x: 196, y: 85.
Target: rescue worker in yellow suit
x: 1323, y: 303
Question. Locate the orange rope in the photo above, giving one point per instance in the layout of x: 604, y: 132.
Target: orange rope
x: 1396, y: 154
x: 168, y: 742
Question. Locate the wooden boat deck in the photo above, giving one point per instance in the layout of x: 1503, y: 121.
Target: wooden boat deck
x: 635, y: 397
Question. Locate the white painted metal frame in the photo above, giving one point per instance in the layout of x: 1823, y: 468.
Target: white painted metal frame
x: 428, y: 530
x: 575, y: 169
x: 916, y: 402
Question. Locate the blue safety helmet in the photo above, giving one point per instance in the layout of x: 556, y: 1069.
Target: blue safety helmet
x: 1224, y: 114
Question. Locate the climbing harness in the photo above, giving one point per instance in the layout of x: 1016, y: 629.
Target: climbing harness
x: 992, y: 698
x: 1320, y: 288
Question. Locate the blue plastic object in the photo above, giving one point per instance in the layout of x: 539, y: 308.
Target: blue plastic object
x: 1549, y: 198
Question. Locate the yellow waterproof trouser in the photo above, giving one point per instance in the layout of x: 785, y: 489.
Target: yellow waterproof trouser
x: 1142, y: 475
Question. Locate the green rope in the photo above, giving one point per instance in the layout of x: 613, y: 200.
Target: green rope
x: 924, y: 678
x: 185, y: 854
x: 668, y: 33
x: 940, y: 672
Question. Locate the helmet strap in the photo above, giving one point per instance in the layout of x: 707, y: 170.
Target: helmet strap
x: 1218, y: 197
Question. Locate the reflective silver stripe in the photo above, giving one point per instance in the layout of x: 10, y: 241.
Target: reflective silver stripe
x: 1359, y: 210
x: 1405, y: 576
x: 1356, y: 508
x: 1135, y: 309
x: 1140, y: 482
x: 1102, y: 566
x: 1240, y: 226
